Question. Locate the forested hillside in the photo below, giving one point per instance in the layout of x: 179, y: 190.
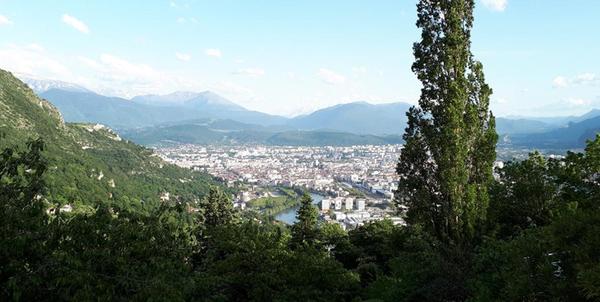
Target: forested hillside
x: 89, y: 164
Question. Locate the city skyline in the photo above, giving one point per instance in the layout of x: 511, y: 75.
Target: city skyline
x: 294, y: 58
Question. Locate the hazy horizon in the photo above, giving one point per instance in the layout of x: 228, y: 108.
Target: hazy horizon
x: 511, y: 116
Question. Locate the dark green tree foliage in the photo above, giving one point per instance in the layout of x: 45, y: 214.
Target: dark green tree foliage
x: 252, y: 262
x: 525, y: 196
x: 217, y: 208
x: 115, y: 255
x: 446, y: 165
x: 78, y: 154
x: 333, y: 239
x: 578, y: 177
x: 23, y: 224
x: 417, y: 271
x: 304, y: 231
x: 559, y: 262
x: 553, y: 255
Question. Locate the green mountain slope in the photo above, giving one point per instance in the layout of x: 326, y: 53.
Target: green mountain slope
x: 90, y: 164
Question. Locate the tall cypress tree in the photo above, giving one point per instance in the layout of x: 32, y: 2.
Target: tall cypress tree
x: 446, y: 165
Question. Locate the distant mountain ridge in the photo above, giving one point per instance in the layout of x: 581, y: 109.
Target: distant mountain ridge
x: 195, y: 100
x: 115, y: 112
x: 357, y: 117
x: 521, y: 126
x: 574, y: 135
x: 224, y: 132
x: 42, y: 85
x: 119, y: 113
x: 180, y: 108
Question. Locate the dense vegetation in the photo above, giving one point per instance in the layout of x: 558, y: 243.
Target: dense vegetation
x: 89, y: 164
x: 539, y: 243
x: 532, y: 233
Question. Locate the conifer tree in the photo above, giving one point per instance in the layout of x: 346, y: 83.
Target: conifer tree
x: 217, y: 208
x: 446, y: 165
x: 304, y: 231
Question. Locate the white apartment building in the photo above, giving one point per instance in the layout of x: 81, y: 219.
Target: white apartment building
x: 349, y: 203
x: 360, y: 204
x: 325, y: 204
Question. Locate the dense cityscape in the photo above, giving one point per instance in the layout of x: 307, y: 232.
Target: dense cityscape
x: 356, y: 182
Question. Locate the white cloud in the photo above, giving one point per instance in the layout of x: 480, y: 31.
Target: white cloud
x: 4, y: 21
x: 181, y: 20
x: 35, y: 47
x: 75, y: 23
x: 213, y: 52
x: 560, y: 82
x: 183, y: 56
x: 495, y: 5
x: 127, y: 71
x: 581, y: 79
x: 113, y: 75
x: 253, y: 72
x: 89, y: 63
x: 586, y: 78
x: 578, y: 102
x: 331, y: 77
x: 106, y: 74
x: 32, y: 60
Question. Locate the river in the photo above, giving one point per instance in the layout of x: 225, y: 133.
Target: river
x: 289, y: 216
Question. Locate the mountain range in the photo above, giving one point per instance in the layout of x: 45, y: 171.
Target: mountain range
x: 572, y: 136
x: 206, y: 117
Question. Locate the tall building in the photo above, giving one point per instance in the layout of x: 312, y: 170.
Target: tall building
x: 360, y: 204
x: 338, y: 203
x: 325, y: 203
x: 349, y: 203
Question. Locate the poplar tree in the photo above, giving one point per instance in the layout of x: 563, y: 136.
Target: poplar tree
x: 446, y: 165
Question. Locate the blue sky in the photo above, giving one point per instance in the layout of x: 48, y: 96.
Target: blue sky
x: 292, y: 57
